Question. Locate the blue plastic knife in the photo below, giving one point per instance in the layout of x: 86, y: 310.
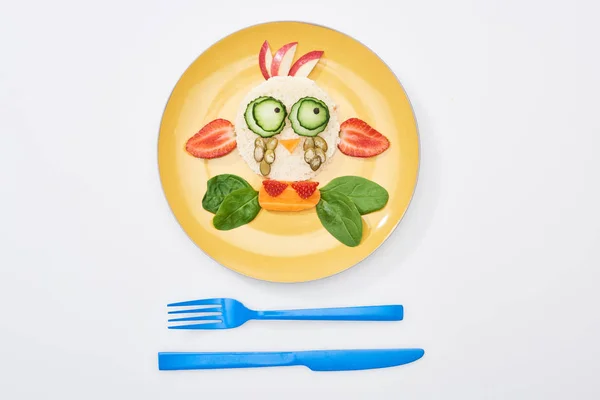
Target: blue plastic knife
x: 317, y: 360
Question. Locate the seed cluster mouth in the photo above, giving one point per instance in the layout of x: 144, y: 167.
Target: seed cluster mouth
x: 264, y: 153
x: 314, y: 152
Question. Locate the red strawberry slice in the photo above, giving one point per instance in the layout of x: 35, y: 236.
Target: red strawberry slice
x: 305, y: 189
x: 359, y: 139
x: 216, y: 139
x: 274, y: 188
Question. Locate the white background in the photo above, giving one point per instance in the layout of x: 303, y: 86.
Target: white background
x: 496, y: 262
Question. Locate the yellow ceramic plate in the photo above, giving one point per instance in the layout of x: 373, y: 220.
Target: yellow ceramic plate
x: 287, y: 247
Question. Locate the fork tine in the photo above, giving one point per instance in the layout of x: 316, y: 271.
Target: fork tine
x: 201, y: 302
x: 216, y: 325
x: 203, y: 318
x: 196, y: 310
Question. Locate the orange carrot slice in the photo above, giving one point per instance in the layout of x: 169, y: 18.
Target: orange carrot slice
x: 290, y: 144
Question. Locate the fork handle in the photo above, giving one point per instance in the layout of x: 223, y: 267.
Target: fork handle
x: 365, y: 313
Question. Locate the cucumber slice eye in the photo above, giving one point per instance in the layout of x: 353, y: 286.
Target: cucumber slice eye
x: 309, y: 116
x: 312, y: 114
x: 265, y: 116
x: 269, y: 114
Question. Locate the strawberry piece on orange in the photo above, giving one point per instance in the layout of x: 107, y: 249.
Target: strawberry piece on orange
x: 305, y: 189
x: 288, y: 201
x: 359, y: 139
x: 215, y: 139
x: 274, y: 188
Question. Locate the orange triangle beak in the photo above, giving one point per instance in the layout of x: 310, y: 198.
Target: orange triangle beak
x: 290, y: 144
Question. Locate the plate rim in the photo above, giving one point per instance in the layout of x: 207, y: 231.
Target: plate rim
x: 392, y: 230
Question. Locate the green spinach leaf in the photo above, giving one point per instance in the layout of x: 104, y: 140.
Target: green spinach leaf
x: 218, y: 187
x: 238, y: 208
x: 340, y: 217
x: 367, y: 195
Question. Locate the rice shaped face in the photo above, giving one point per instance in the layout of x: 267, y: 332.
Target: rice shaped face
x: 299, y: 117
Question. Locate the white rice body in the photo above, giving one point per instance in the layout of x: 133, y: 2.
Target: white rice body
x: 288, y: 90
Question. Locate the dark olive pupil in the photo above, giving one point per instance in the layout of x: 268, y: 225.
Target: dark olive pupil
x: 277, y: 109
x: 316, y: 110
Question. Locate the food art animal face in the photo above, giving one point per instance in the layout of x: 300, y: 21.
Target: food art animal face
x: 287, y: 130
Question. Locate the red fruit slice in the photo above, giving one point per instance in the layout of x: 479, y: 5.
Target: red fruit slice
x: 305, y: 189
x: 282, y: 60
x: 216, y: 139
x: 274, y: 188
x: 306, y: 63
x: 265, y: 58
x: 359, y: 139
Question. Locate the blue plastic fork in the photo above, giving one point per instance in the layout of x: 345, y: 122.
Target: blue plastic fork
x: 230, y: 313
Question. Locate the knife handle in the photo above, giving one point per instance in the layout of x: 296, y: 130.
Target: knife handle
x: 365, y: 313
x: 179, y: 361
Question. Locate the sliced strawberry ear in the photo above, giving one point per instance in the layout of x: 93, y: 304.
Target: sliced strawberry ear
x: 359, y: 139
x: 215, y: 139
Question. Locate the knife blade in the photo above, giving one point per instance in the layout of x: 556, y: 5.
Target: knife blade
x: 316, y: 360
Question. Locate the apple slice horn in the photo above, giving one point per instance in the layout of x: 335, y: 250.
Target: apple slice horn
x: 282, y: 60
x: 265, y: 58
x: 306, y: 63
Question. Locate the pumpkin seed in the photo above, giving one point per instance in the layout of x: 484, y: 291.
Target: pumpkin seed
x: 259, y: 142
x: 272, y: 143
x: 265, y: 168
x: 321, y: 154
x: 309, y: 143
x: 309, y: 155
x: 259, y: 153
x: 320, y: 143
x: 315, y: 163
x: 269, y: 156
